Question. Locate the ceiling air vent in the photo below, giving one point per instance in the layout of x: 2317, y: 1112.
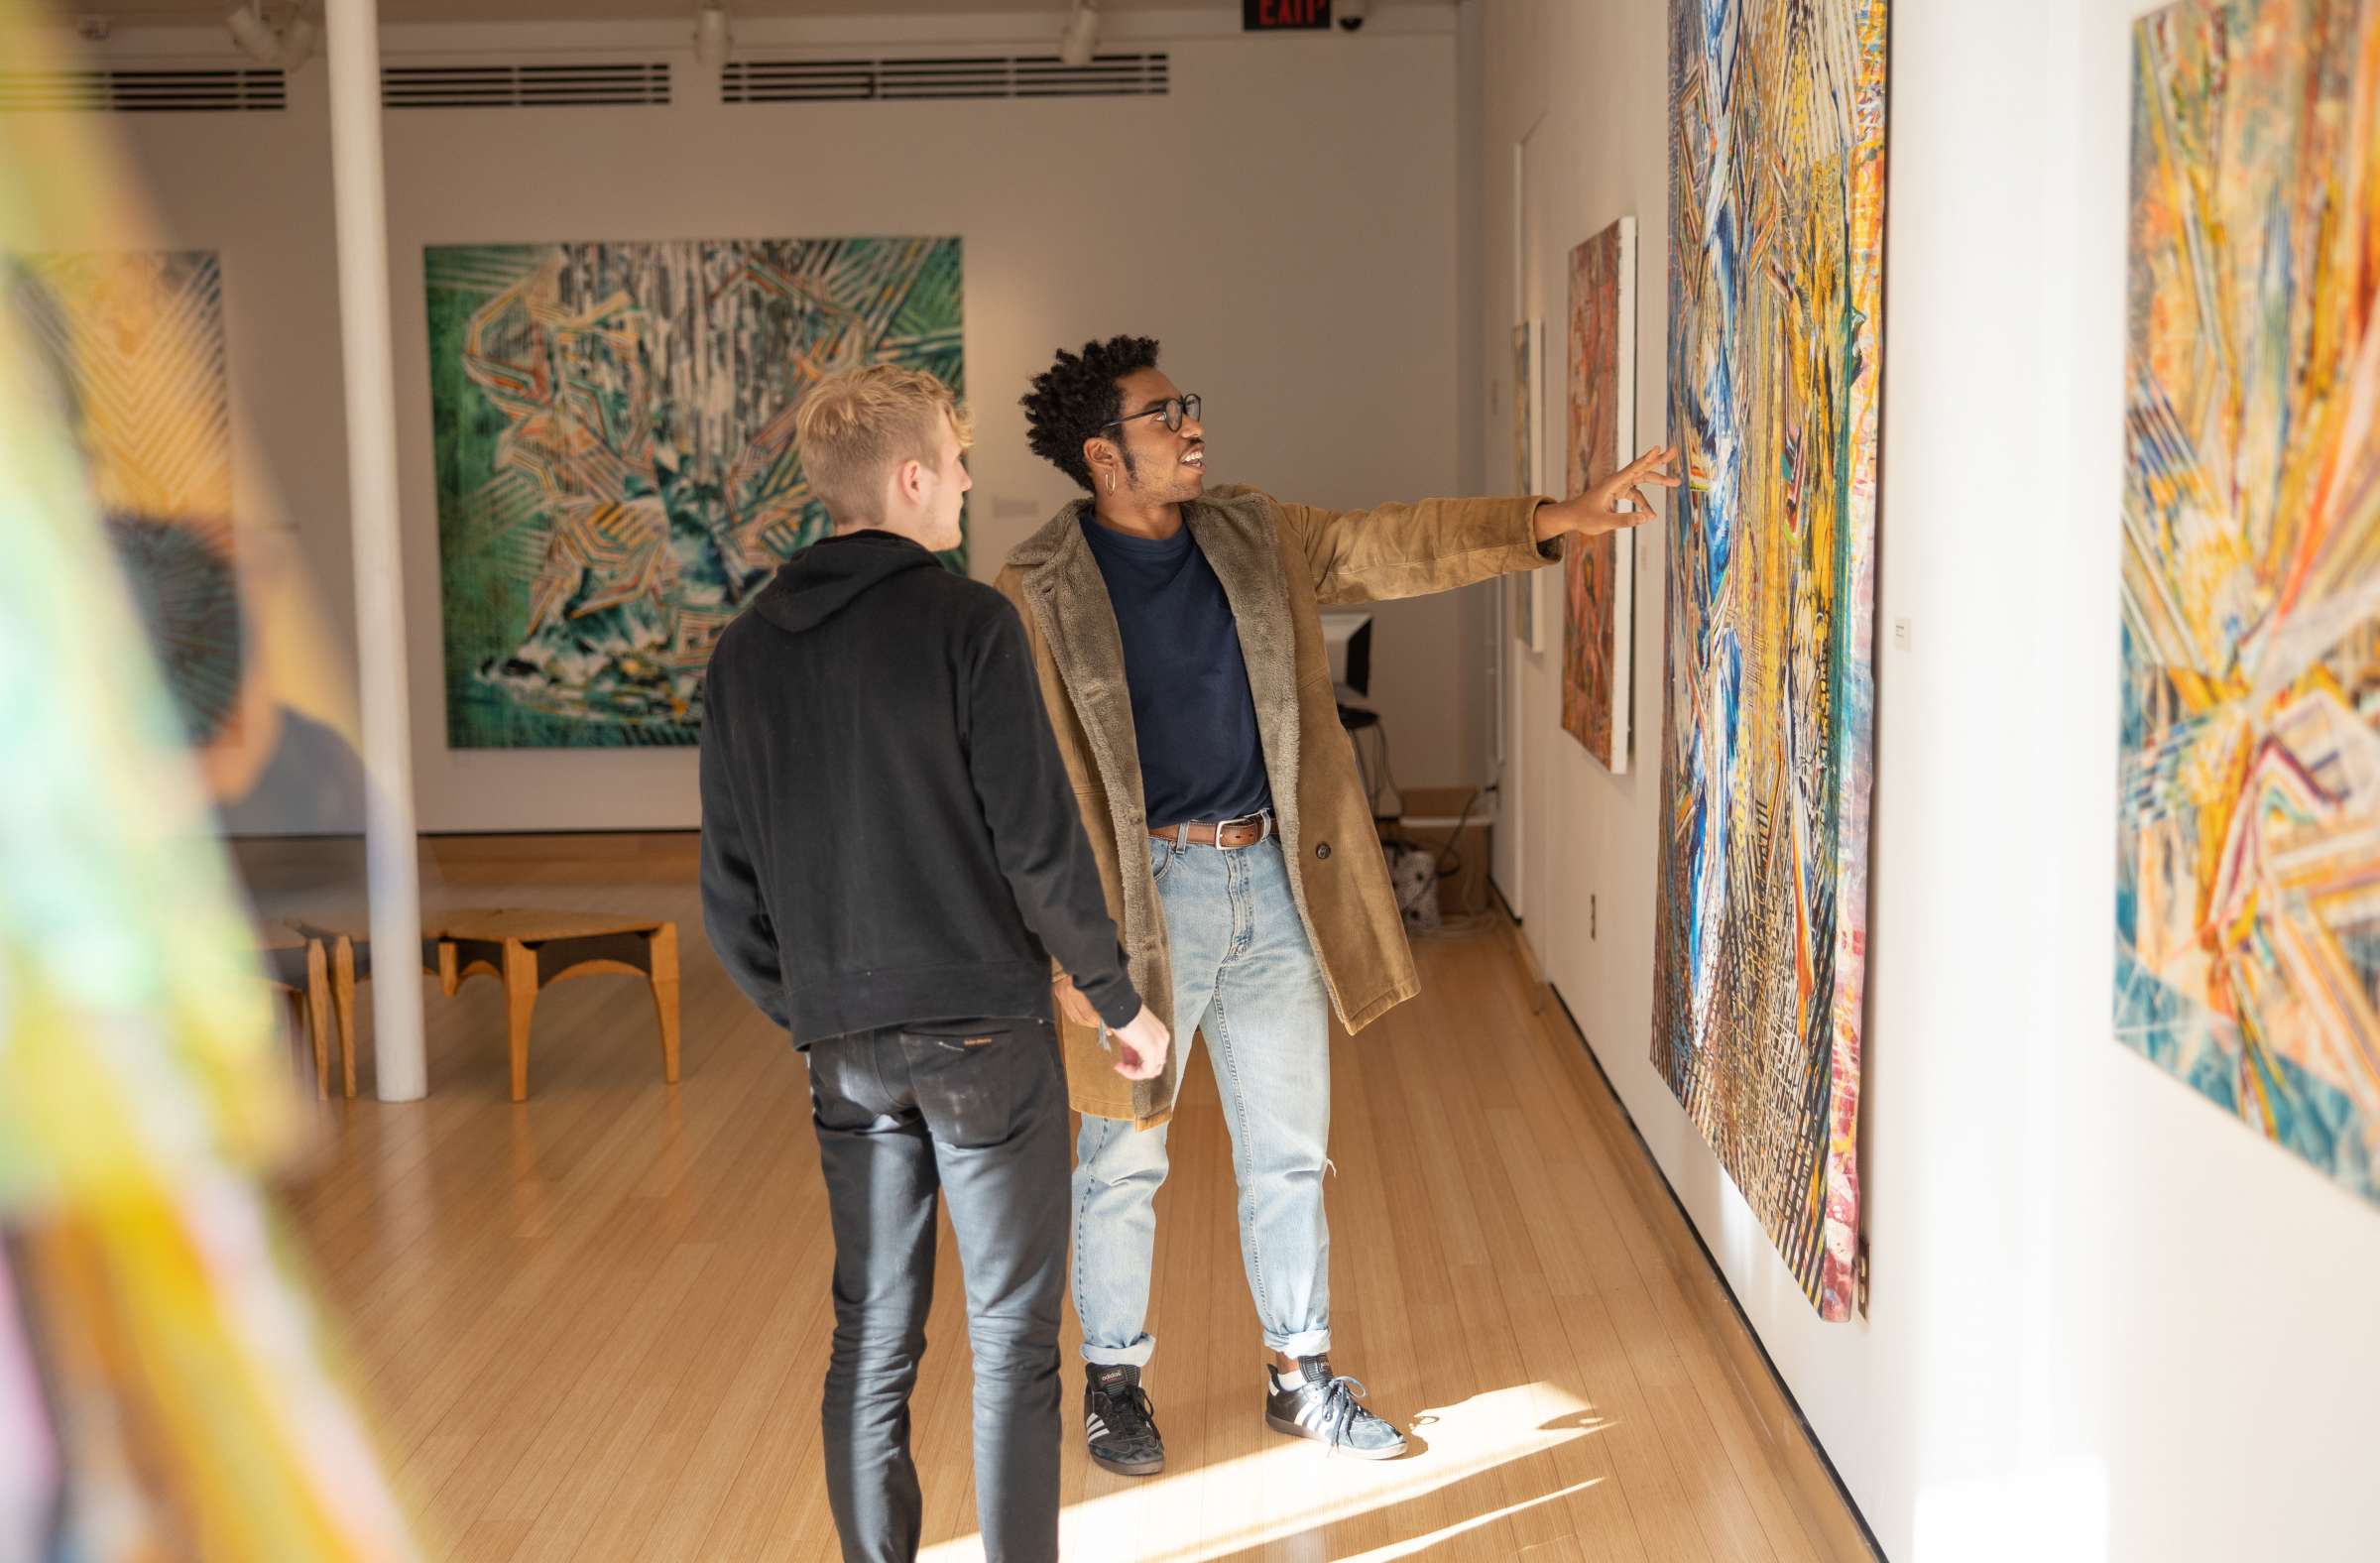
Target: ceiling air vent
x: 912, y: 80
x: 199, y: 92
x: 524, y: 86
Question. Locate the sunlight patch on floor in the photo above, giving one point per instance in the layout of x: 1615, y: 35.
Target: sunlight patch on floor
x: 1417, y: 1544
x: 1294, y: 1489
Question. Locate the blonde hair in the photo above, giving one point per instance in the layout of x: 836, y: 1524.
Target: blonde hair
x: 856, y: 427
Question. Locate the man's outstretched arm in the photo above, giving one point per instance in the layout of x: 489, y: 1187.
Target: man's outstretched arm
x: 1438, y: 545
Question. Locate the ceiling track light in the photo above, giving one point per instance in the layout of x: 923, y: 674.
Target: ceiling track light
x: 285, y: 39
x: 1081, y: 37
x: 712, y: 40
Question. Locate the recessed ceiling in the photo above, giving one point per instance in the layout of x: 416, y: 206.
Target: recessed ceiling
x: 136, y: 12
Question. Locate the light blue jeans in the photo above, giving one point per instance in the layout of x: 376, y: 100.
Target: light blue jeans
x: 1244, y: 972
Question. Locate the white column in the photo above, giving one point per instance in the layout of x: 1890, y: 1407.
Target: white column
x: 360, y: 195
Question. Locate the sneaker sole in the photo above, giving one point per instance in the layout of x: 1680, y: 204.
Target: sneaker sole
x: 1291, y: 1429
x: 1129, y: 1466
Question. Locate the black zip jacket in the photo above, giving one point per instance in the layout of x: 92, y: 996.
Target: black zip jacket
x: 888, y: 837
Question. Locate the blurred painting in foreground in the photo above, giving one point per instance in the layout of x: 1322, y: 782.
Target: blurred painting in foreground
x: 614, y: 426
x: 166, y: 1385
x: 115, y: 329
x: 129, y: 345
x: 1776, y: 216
x: 2249, y: 888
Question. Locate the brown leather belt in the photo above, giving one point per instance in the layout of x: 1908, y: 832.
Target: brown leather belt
x: 1230, y: 835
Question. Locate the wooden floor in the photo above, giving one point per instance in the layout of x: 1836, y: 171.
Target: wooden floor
x: 593, y: 1325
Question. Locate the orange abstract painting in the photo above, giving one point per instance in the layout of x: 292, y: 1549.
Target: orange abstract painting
x: 1599, y: 575
x: 2248, y: 889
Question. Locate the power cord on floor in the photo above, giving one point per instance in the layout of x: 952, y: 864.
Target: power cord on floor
x: 1413, y: 900
x: 1416, y: 902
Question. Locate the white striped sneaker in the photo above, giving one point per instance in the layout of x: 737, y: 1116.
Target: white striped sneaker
x: 1121, y: 1423
x: 1316, y: 1404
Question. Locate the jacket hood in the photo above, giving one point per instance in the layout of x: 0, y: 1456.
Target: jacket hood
x: 833, y: 574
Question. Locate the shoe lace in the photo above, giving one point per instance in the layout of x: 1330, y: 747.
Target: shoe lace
x: 1133, y: 1415
x: 1342, y: 1408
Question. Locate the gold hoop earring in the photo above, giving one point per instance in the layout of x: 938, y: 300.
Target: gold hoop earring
x: 1111, y: 482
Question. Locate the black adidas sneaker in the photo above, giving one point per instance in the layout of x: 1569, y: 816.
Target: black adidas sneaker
x: 1316, y: 1404
x: 1121, y: 1423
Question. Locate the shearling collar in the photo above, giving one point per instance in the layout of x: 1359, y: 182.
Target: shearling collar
x: 1235, y: 529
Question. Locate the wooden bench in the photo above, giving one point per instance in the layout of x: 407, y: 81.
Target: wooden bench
x: 294, y: 961
x: 347, y: 957
x: 530, y: 950
x: 527, y: 950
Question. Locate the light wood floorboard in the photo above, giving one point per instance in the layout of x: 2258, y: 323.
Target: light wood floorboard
x: 593, y: 1325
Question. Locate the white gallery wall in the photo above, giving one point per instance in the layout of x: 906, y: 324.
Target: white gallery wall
x: 2106, y: 1321
x: 1284, y: 222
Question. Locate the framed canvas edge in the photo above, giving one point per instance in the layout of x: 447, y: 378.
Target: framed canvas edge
x: 1855, y: 832
x: 1623, y: 548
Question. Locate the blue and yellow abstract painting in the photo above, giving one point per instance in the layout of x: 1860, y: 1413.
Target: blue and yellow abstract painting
x: 1776, y: 290
x: 617, y: 472
x: 2248, y: 873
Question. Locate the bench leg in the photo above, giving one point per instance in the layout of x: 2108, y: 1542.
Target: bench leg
x: 293, y: 1017
x: 520, y: 1003
x: 663, y: 943
x: 342, y: 992
x: 318, y: 1013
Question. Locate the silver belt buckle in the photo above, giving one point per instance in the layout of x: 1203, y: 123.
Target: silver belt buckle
x: 1262, y: 819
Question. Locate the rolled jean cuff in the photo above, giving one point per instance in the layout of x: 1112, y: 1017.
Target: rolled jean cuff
x: 1311, y: 1343
x: 1135, y: 1355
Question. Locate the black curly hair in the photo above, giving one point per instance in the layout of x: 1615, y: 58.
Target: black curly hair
x: 1076, y: 397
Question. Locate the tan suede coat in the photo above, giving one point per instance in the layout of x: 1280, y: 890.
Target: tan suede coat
x: 1279, y: 565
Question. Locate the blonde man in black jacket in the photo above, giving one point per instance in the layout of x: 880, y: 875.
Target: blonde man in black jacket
x: 892, y: 858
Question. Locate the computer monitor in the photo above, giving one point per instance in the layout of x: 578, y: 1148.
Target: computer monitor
x: 1347, y: 640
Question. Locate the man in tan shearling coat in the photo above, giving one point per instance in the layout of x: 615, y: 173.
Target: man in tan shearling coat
x: 1177, y: 635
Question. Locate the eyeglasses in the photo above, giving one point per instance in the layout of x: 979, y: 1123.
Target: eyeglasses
x: 1173, y: 411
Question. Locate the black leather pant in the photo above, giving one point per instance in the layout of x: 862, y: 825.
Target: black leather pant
x: 979, y: 1116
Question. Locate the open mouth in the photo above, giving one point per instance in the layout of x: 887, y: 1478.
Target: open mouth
x: 1197, y: 459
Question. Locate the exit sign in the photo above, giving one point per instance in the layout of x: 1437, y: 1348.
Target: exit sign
x: 1277, y: 16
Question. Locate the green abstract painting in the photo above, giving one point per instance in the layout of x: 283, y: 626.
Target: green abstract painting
x: 617, y: 473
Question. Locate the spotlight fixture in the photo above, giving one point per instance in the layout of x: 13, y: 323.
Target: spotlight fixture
x: 286, y: 40
x: 1081, y: 36
x: 257, y: 40
x: 711, y: 36
x: 297, y: 41
x: 1350, y: 14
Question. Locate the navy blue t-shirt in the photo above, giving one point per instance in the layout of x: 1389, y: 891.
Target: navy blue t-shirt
x: 1202, y: 758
